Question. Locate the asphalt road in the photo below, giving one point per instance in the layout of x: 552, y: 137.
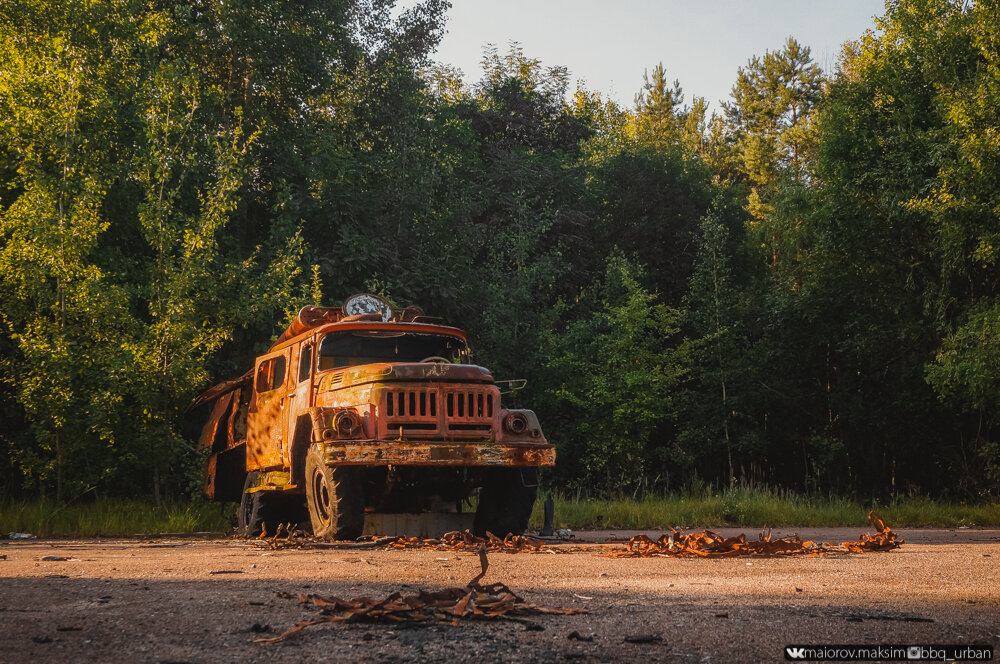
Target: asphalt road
x: 192, y: 600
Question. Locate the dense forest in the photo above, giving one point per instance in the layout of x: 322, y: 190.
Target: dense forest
x: 800, y: 289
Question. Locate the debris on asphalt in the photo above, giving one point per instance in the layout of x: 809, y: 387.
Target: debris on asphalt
x: 708, y: 544
x: 450, y: 605
x: 21, y: 536
x: 577, y: 636
x: 883, y: 540
x: 287, y: 538
x: 644, y: 638
x: 466, y: 541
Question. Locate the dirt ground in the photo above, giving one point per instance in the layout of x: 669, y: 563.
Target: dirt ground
x: 197, y: 600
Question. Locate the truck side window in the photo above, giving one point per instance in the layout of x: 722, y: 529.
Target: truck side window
x: 271, y: 374
x: 305, y: 362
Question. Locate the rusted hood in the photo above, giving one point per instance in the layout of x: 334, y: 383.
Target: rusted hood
x: 405, y: 371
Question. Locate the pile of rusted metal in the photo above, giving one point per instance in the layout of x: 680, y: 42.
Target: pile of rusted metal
x: 451, y: 605
x: 466, y: 541
x: 708, y: 544
x: 287, y: 538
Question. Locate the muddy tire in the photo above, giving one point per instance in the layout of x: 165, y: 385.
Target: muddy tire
x: 505, y: 502
x: 335, y: 497
x: 255, y: 510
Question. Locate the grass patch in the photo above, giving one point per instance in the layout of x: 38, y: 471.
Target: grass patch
x: 111, y: 517
x: 744, y: 508
x: 755, y: 508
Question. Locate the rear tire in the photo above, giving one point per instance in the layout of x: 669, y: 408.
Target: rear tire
x: 255, y: 509
x: 335, y: 497
x: 505, y: 502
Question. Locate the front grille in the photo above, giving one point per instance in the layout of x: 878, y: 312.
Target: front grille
x: 411, y: 403
x: 469, y: 405
x: 439, y: 411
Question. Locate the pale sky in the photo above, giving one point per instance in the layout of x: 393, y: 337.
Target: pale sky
x: 609, y: 44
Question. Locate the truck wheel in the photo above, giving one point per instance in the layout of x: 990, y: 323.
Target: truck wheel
x: 255, y: 509
x: 335, y: 498
x: 505, y: 503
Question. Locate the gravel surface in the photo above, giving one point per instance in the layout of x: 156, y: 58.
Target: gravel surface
x: 195, y: 600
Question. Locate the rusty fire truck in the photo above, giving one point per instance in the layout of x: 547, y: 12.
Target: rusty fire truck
x: 366, y: 409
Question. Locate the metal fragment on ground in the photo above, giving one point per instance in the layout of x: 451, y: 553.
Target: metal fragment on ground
x: 452, y: 541
x: 708, y: 544
x: 466, y: 541
x: 451, y: 605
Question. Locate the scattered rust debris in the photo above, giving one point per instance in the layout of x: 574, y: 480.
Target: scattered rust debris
x: 675, y: 544
x: 285, y: 538
x: 883, y: 540
x: 708, y: 544
x: 466, y: 541
x: 449, y: 605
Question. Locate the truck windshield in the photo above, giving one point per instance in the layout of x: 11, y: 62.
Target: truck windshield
x: 347, y: 349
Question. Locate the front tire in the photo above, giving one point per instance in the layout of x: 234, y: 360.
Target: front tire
x: 335, y: 497
x: 505, y: 501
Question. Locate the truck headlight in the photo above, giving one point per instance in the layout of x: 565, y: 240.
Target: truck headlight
x: 515, y: 423
x: 346, y: 424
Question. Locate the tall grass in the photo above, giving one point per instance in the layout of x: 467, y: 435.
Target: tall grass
x: 755, y: 508
x: 110, y: 517
x: 747, y: 508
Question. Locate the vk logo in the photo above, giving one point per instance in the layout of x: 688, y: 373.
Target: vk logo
x: 795, y: 653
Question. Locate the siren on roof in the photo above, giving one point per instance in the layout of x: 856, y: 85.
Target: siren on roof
x: 366, y: 303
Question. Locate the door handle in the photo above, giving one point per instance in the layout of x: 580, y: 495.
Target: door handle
x: 291, y: 395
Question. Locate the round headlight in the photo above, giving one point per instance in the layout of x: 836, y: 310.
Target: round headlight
x: 515, y: 423
x: 346, y: 424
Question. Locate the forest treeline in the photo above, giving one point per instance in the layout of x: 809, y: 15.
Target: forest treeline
x: 799, y: 288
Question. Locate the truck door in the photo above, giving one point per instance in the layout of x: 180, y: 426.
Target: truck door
x: 266, y: 422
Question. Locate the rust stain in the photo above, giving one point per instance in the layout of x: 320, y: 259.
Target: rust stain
x: 407, y: 453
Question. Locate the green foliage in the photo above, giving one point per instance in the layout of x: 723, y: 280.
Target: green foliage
x: 615, y: 375
x: 152, y: 209
x: 112, y: 517
x: 800, y: 291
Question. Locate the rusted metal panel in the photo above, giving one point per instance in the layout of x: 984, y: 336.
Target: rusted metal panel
x: 210, y: 475
x: 220, y: 409
x: 274, y: 480
x: 411, y: 453
x: 266, y: 424
x: 222, y: 388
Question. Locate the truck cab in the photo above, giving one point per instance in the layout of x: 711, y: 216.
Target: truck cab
x: 365, y: 409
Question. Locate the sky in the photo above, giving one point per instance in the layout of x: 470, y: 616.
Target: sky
x: 610, y: 44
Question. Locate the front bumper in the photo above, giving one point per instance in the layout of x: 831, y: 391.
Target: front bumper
x: 435, y: 453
